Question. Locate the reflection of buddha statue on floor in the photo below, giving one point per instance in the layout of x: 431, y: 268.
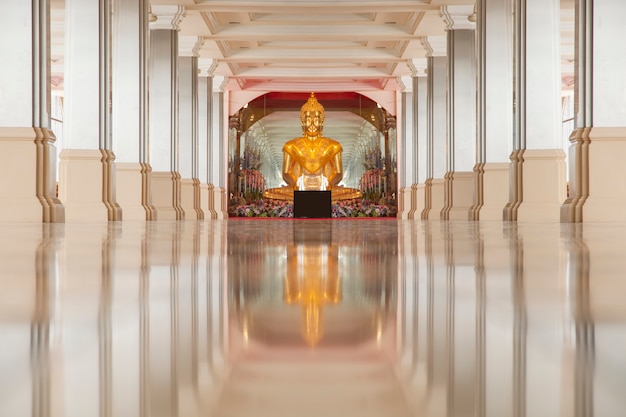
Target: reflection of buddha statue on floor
x: 312, y: 162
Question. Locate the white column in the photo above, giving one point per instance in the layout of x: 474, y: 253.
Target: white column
x: 420, y: 136
x: 538, y: 163
x: 27, y: 149
x: 189, y: 48
x: 495, y: 108
x: 218, y: 149
x: 405, y: 152
x: 205, y: 110
x: 597, y: 188
x: 437, y: 126
x: 87, y: 169
x: 461, y: 115
x: 164, y: 156
x: 130, y: 108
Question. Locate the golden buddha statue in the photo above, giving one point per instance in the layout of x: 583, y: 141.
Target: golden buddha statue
x: 312, y: 162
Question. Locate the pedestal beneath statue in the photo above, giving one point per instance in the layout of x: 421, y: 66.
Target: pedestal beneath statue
x: 312, y: 204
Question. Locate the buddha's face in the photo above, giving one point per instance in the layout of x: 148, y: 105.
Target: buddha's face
x: 312, y: 123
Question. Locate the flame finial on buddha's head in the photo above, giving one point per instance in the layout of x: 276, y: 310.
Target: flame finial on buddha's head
x: 312, y: 105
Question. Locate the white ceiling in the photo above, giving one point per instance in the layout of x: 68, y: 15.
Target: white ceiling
x: 304, y: 45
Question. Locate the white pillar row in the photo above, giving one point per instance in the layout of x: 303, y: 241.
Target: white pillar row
x: 538, y: 184
x: 597, y: 188
x: 461, y: 115
x: 87, y: 168
x: 188, y: 51
x: 130, y: 108
x: 163, y: 128
x: 206, y: 67
x: 420, y: 136
x: 219, y: 147
x: 405, y: 153
x: 27, y: 144
x: 494, y: 141
x: 437, y: 126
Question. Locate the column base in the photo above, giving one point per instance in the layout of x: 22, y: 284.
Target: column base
x: 204, y: 200
x: 491, y: 184
x: 539, y: 186
x: 458, y: 195
x: 597, y: 188
x: 28, y: 156
x: 434, y: 197
x: 130, y: 190
x: 87, y: 185
x: 219, y: 203
x: 190, y: 198
x: 211, y: 202
x: 418, y: 195
x: 166, y: 195
x: 404, y: 202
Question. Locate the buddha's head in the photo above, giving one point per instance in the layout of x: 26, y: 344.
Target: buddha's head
x: 312, y: 117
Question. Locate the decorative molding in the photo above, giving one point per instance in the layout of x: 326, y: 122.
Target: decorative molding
x: 405, y: 83
x: 190, y: 45
x: 167, y: 17
x: 219, y: 83
x: 418, y: 67
x: 207, y: 67
x: 435, y: 45
x: 458, y: 17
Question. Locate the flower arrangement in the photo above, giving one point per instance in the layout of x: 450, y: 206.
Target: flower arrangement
x: 341, y: 209
x: 373, y: 184
x: 251, y: 184
x: 261, y: 208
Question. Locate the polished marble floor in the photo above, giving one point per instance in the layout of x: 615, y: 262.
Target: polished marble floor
x: 300, y: 318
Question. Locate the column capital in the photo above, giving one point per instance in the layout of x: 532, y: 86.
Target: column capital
x: 406, y: 83
x: 219, y: 83
x: 207, y: 67
x: 418, y: 66
x: 435, y: 45
x: 166, y: 17
x: 458, y: 17
x: 190, y: 45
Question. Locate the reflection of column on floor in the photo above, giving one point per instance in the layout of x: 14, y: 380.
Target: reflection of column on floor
x: 85, y: 264
x: 43, y: 342
x: 164, y: 309
x: 580, y: 349
x: 461, y: 306
x: 601, y: 337
x: 539, y: 317
x: 187, y: 318
x: 497, y: 257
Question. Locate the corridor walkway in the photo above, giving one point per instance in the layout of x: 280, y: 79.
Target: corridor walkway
x: 255, y: 318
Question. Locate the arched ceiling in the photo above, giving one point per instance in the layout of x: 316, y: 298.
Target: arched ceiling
x: 261, y: 46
